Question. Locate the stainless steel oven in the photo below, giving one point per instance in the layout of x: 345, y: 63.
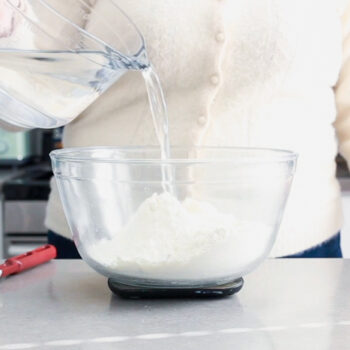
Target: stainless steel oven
x: 24, y: 206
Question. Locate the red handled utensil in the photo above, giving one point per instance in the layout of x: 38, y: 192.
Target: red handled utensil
x: 28, y: 260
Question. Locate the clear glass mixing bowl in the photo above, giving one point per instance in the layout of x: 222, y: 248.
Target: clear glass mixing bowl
x: 221, y: 225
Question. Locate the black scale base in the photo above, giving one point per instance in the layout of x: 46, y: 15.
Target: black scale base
x: 140, y: 292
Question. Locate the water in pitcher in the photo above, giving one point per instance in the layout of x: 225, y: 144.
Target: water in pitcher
x: 56, y: 85
x: 50, y: 88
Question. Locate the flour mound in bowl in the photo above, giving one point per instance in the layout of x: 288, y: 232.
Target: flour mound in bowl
x: 166, y: 238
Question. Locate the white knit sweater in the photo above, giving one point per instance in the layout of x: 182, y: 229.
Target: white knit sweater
x: 239, y: 73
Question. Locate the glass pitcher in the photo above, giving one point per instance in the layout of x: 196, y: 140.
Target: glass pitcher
x: 57, y: 57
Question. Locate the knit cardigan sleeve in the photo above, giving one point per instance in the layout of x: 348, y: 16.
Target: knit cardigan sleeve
x: 342, y: 92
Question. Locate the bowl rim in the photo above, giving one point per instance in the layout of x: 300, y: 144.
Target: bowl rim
x: 274, y: 155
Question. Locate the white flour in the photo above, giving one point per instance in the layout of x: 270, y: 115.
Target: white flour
x: 167, y: 239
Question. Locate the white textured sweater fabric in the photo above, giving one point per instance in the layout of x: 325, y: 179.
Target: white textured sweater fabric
x: 256, y: 73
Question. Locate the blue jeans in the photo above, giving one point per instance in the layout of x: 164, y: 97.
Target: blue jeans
x: 329, y: 249
x: 65, y: 247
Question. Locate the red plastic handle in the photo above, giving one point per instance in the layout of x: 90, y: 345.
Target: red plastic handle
x: 28, y: 260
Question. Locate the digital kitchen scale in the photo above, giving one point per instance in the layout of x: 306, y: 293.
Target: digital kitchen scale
x: 210, y: 291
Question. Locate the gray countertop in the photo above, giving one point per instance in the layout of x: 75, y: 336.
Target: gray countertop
x: 285, y: 304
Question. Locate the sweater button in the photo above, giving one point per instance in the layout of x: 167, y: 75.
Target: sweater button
x: 214, y: 79
x: 202, y: 120
x: 220, y: 36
